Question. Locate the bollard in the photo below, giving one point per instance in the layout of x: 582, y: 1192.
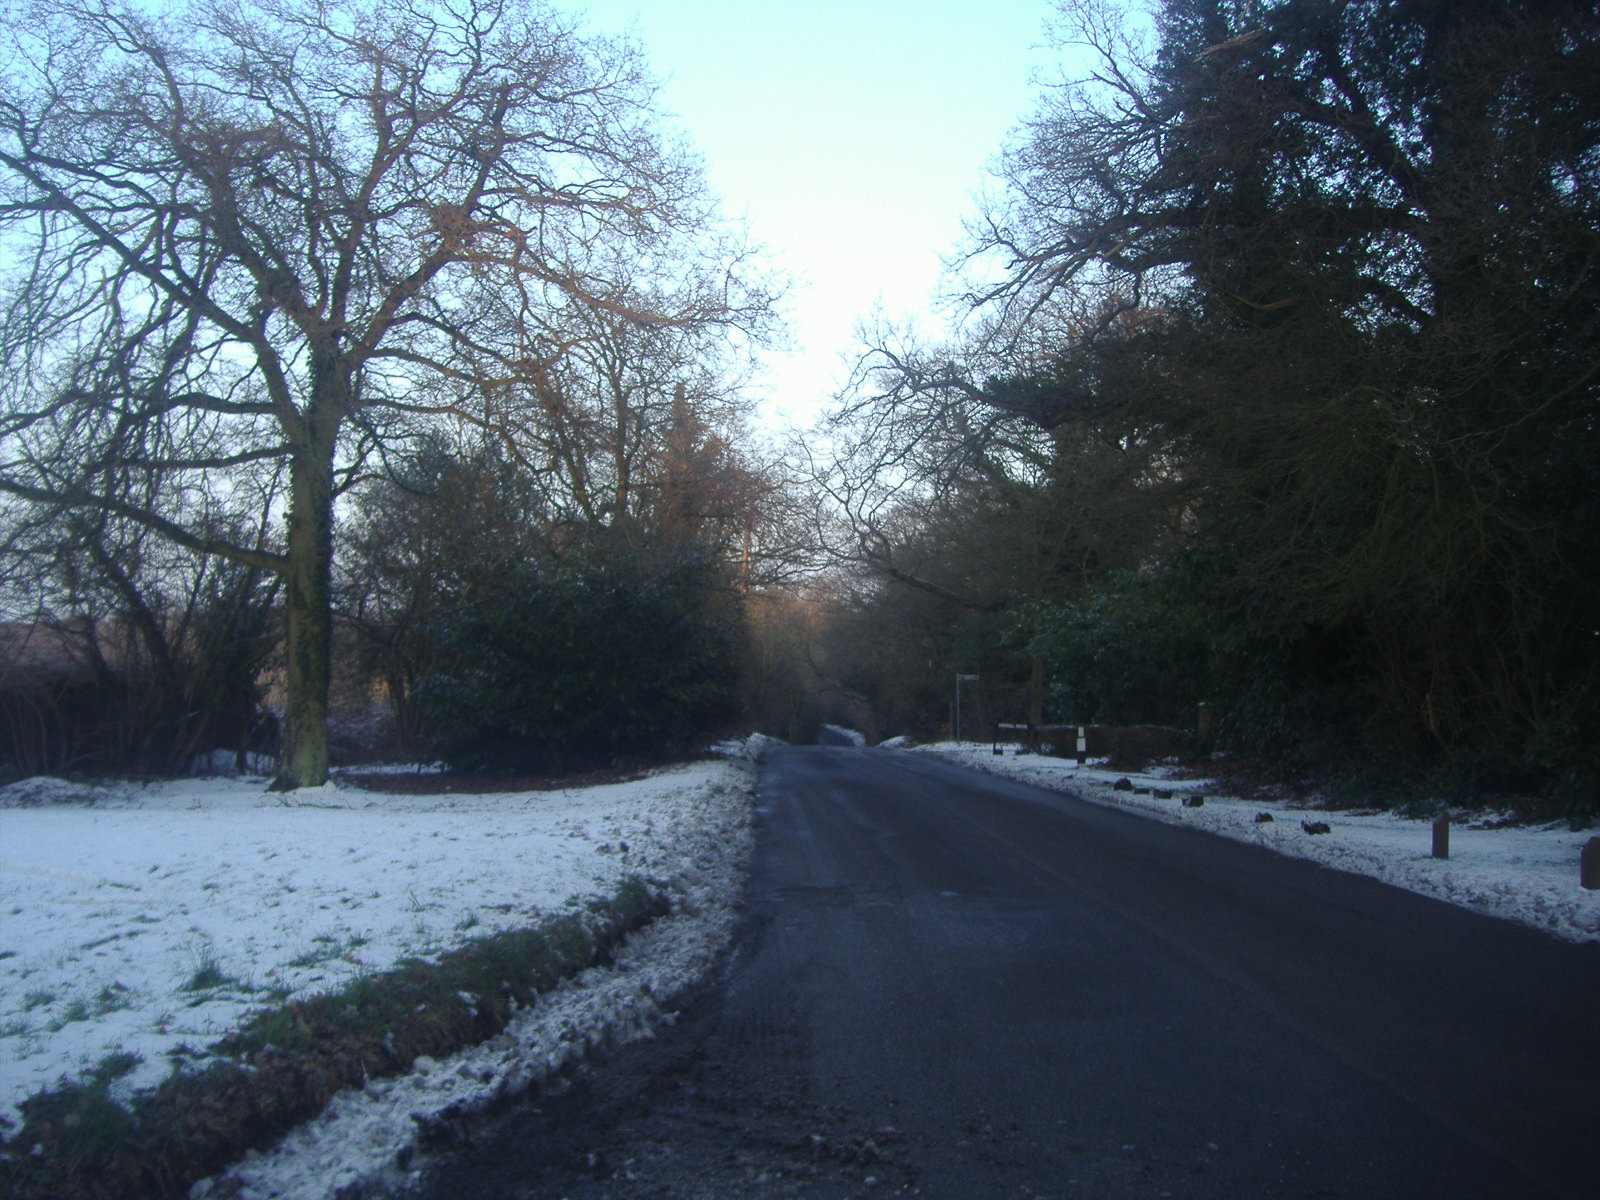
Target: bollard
x: 1589, y: 865
x: 1441, y: 835
x: 1083, y: 745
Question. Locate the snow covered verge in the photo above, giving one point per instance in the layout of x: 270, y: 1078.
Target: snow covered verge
x: 148, y: 921
x: 1527, y: 874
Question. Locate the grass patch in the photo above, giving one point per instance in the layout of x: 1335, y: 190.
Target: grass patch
x: 207, y: 978
x: 99, y: 1127
x: 208, y: 974
x: 286, y: 1063
x: 324, y: 948
x: 109, y: 999
x: 77, y: 1010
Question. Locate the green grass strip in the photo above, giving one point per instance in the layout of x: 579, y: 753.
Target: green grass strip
x: 284, y: 1066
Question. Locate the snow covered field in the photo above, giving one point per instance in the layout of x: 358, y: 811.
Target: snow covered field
x: 1521, y: 874
x: 150, y: 919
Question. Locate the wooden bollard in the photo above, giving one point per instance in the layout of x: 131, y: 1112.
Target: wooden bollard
x: 1589, y: 865
x: 1441, y: 835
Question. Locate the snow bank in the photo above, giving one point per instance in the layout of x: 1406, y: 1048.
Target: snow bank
x: 1520, y: 874
x: 152, y: 919
x: 750, y: 747
x: 366, y: 1137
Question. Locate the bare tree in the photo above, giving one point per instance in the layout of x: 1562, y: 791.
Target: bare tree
x: 297, y: 233
x: 983, y: 478
x: 140, y: 655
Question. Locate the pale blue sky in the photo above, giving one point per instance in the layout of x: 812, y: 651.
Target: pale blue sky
x: 852, y: 135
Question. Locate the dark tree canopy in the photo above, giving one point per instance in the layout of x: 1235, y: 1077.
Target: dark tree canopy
x: 604, y: 662
x: 1323, y: 274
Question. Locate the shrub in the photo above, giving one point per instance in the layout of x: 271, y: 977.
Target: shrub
x: 1136, y: 654
x: 609, y: 664
x: 1566, y: 747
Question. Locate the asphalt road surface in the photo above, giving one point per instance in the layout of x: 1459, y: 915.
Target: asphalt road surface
x: 955, y: 986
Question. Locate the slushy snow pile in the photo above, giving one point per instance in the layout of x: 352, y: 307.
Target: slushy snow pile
x: 151, y: 919
x: 1527, y: 874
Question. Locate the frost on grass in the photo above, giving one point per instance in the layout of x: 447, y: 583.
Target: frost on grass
x: 1520, y: 874
x: 147, y: 922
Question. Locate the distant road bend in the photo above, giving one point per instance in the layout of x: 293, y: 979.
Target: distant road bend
x: 955, y: 986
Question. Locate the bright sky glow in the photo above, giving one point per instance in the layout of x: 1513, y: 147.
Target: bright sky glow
x: 852, y: 135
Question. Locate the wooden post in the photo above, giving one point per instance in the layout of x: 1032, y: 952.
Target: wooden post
x: 1589, y: 865
x: 1441, y: 835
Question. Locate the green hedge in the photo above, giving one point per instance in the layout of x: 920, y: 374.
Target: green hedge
x: 610, y: 664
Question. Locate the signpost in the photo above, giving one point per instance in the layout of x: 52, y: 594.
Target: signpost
x: 960, y: 679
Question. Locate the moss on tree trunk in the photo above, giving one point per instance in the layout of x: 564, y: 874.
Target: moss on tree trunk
x: 308, y: 597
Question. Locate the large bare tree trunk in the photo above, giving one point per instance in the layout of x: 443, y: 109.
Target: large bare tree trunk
x: 304, y: 762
